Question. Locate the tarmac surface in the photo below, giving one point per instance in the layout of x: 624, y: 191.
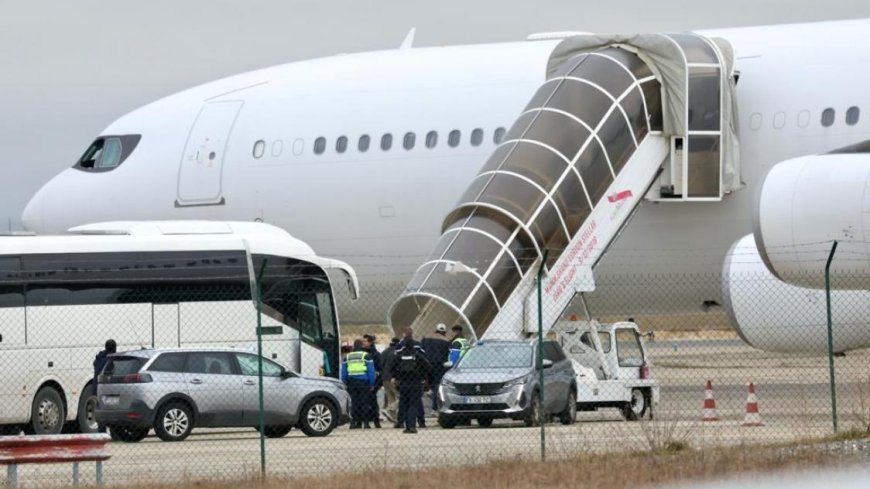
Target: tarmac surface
x: 793, y: 394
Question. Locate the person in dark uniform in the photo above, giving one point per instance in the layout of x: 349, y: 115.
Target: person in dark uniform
x: 103, y: 357
x: 437, y: 352
x: 358, y: 373
x: 375, y: 357
x: 391, y: 396
x: 411, y: 369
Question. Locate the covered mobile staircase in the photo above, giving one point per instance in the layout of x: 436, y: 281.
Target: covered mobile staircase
x: 619, y: 119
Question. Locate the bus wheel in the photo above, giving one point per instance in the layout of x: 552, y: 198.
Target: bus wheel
x: 87, y: 419
x: 47, y: 414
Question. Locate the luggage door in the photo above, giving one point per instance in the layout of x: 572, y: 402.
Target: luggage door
x: 200, y: 173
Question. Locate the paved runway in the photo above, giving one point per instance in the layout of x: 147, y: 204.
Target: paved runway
x: 793, y: 395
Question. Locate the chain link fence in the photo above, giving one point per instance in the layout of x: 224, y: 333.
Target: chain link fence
x: 209, y: 382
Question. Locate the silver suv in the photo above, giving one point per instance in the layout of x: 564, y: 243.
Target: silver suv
x: 499, y: 379
x: 173, y: 390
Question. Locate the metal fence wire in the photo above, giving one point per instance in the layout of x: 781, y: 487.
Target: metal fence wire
x: 206, y: 381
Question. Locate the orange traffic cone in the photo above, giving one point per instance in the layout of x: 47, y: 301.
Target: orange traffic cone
x: 752, y: 417
x: 709, y: 404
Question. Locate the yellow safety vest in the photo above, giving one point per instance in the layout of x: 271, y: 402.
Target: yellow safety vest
x: 463, y: 345
x: 356, y: 363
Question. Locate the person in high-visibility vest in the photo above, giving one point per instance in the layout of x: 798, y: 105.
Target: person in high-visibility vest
x: 358, y: 373
x: 458, y: 345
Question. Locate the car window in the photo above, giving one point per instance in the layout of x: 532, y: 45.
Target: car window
x: 604, y: 338
x: 552, y: 352
x: 628, y: 351
x: 248, y: 365
x: 123, y: 365
x: 217, y: 363
x: 497, y: 356
x: 168, y: 362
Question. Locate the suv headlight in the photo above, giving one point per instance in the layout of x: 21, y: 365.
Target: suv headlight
x: 447, y: 384
x: 515, y: 382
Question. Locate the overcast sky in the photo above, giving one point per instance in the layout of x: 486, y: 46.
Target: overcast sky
x: 68, y: 68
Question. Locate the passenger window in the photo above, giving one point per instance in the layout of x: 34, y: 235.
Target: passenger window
x: 852, y: 115
x: 341, y: 144
x: 259, y: 148
x: 498, y: 135
x: 431, y: 139
x: 248, y: 366
x: 604, y: 338
x: 828, y: 117
x: 364, y: 142
x: 168, y: 362
x: 215, y: 363
x: 453, y: 138
x: 319, y: 145
x: 410, y: 139
x: 476, y: 137
x: 628, y: 351
x: 277, y: 148
x: 386, y: 142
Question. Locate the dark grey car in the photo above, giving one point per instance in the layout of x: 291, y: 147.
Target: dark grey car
x: 174, y: 390
x: 499, y: 379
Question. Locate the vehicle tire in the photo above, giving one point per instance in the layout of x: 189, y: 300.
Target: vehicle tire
x: 484, y: 422
x: 318, y: 417
x: 47, y: 413
x: 446, y: 422
x: 174, y: 421
x: 127, y: 434
x: 569, y: 415
x: 87, y: 419
x: 532, y: 416
x: 277, y: 431
x: 636, y: 408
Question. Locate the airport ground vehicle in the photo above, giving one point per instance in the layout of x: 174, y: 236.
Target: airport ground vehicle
x: 499, y: 379
x: 151, y: 284
x: 612, y: 366
x: 175, y: 390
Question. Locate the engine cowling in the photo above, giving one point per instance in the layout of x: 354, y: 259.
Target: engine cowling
x: 807, y: 203
x: 772, y: 315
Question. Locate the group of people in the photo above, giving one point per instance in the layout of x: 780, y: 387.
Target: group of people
x: 405, y: 369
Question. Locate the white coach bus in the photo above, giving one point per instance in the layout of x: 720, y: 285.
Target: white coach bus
x: 152, y: 284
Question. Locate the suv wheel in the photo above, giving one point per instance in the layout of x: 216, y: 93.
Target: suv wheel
x: 532, y: 416
x: 47, y: 413
x: 174, y: 421
x: 87, y: 410
x: 318, y: 418
x: 277, y: 431
x: 127, y: 434
x: 569, y: 415
x: 446, y: 422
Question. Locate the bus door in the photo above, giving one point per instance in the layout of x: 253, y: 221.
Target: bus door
x: 200, y: 174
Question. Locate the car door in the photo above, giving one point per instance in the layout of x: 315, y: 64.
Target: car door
x: 215, y: 386
x: 553, y: 395
x: 279, y: 403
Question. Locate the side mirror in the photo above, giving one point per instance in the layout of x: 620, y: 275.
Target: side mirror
x: 547, y: 363
x: 286, y: 374
x: 448, y: 364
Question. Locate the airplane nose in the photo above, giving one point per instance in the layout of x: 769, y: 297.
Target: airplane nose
x: 33, y: 216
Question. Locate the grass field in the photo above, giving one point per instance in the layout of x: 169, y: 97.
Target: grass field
x: 673, y: 462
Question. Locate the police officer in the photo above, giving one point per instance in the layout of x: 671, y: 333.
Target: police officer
x: 437, y: 351
x: 358, y: 373
x: 410, y: 371
x: 458, y: 345
x: 375, y: 357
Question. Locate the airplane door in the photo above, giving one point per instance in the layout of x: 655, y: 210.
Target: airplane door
x: 200, y: 174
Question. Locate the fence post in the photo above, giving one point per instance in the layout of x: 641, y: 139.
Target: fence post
x: 541, y: 415
x: 262, y: 421
x: 831, y: 336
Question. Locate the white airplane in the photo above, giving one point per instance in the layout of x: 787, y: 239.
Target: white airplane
x: 362, y: 155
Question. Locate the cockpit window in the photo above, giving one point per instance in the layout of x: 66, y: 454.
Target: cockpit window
x: 107, y: 152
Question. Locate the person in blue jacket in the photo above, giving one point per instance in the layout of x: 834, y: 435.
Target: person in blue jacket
x: 358, y: 373
x: 458, y: 345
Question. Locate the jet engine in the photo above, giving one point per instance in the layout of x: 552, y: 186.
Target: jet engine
x: 772, y: 315
x: 807, y: 203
